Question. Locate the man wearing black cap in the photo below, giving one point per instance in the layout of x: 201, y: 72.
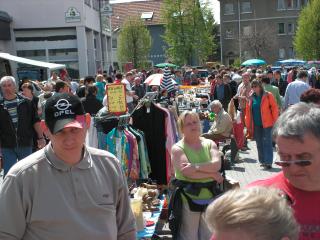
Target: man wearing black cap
x: 66, y: 190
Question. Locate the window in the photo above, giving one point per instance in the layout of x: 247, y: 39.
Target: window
x: 281, y: 28
x: 282, y: 53
x: 247, y: 31
x: 31, y: 53
x: 281, y: 5
x: 290, y: 28
x: 63, y: 52
x: 292, y: 4
x: 114, y: 43
x: 228, y: 9
x: 95, y: 43
x: 229, y: 34
x: 291, y: 52
x: 147, y: 15
x: 95, y: 5
x: 246, y: 55
x: 246, y: 7
x: 88, y: 2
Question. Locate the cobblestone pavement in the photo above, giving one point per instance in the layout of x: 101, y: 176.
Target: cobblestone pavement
x: 248, y: 169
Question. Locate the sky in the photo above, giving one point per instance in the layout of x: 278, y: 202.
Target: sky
x: 214, y: 4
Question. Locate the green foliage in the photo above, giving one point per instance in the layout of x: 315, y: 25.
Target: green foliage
x: 134, y: 42
x: 237, y: 63
x: 307, y: 38
x: 189, y: 31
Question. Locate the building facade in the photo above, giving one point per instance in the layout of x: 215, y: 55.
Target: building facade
x: 60, y: 31
x: 149, y: 12
x: 258, y: 29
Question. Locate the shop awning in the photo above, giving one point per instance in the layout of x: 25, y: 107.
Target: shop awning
x: 51, y: 66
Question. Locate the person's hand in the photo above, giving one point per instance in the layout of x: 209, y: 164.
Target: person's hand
x: 218, y: 177
x: 135, y: 97
x: 41, y: 143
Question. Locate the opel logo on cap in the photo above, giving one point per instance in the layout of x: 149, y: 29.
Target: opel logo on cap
x: 62, y: 104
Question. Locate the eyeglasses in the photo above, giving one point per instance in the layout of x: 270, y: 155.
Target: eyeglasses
x: 255, y: 86
x: 300, y: 163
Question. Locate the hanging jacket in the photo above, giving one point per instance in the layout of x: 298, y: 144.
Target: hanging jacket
x: 269, y: 112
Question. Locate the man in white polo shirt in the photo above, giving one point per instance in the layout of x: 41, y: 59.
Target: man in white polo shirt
x: 66, y: 190
x: 129, y: 93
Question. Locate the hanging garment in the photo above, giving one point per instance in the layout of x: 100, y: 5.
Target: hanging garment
x: 117, y: 144
x: 134, y: 165
x: 152, y: 122
x: 145, y: 168
x: 170, y: 141
x: 92, y: 135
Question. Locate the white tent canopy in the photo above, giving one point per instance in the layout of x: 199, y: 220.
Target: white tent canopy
x: 50, y: 66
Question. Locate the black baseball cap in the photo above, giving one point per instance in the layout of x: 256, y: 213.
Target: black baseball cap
x: 64, y: 110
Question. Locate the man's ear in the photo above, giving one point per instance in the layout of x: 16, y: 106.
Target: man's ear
x: 88, y: 120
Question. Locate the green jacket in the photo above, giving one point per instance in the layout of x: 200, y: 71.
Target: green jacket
x: 275, y: 92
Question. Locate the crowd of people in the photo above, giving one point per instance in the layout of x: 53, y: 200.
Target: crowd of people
x: 47, y: 163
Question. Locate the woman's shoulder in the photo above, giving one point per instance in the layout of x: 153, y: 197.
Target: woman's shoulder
x: 206, y: 142
x: 178, y: 145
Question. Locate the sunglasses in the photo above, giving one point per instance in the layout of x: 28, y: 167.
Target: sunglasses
x: 300, y: 163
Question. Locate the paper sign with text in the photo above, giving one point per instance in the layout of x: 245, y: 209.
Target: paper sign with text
x: 116, y: 94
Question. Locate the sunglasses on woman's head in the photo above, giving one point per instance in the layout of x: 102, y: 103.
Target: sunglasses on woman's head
x: 300, y: 163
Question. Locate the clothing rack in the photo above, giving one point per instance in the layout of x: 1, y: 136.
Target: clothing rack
x: 124, y: 120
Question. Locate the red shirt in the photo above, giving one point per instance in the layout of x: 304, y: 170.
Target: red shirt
x: 306, y: 205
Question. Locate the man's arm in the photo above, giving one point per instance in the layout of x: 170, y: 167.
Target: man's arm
x: 286, y: 98
x: 41, y: 141
x: 12, y: 210
x: 278, y: 98
x: 125, y: 219
x: 222, y: 125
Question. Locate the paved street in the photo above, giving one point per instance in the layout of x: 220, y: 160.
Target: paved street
x: 248, y: 169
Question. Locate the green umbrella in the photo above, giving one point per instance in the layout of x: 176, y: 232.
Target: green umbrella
x: 163, y: 65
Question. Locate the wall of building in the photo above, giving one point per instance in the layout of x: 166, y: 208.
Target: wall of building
x: 157, y: 52
x: 44, y: 30
x: 264, y: 17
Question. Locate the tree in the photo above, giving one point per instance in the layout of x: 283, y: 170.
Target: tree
x: 134, y: 42
x: 258, y: 43
x: 188, y: 31
x: 307, y: 38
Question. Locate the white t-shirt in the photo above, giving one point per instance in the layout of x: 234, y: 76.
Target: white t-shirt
x: 129, y: 88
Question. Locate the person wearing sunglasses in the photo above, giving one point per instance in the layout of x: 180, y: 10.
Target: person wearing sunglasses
x: 261, y: 114
x: 297, y: 135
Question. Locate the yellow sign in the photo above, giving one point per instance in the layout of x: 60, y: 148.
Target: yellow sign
x: 116, y: 94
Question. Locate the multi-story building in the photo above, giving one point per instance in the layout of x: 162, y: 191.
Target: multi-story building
x: 149, y: 12
x: 60, y: 31
x: 258, y: 29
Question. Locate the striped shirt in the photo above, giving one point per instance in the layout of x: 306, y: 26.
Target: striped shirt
x: 11, y: 106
